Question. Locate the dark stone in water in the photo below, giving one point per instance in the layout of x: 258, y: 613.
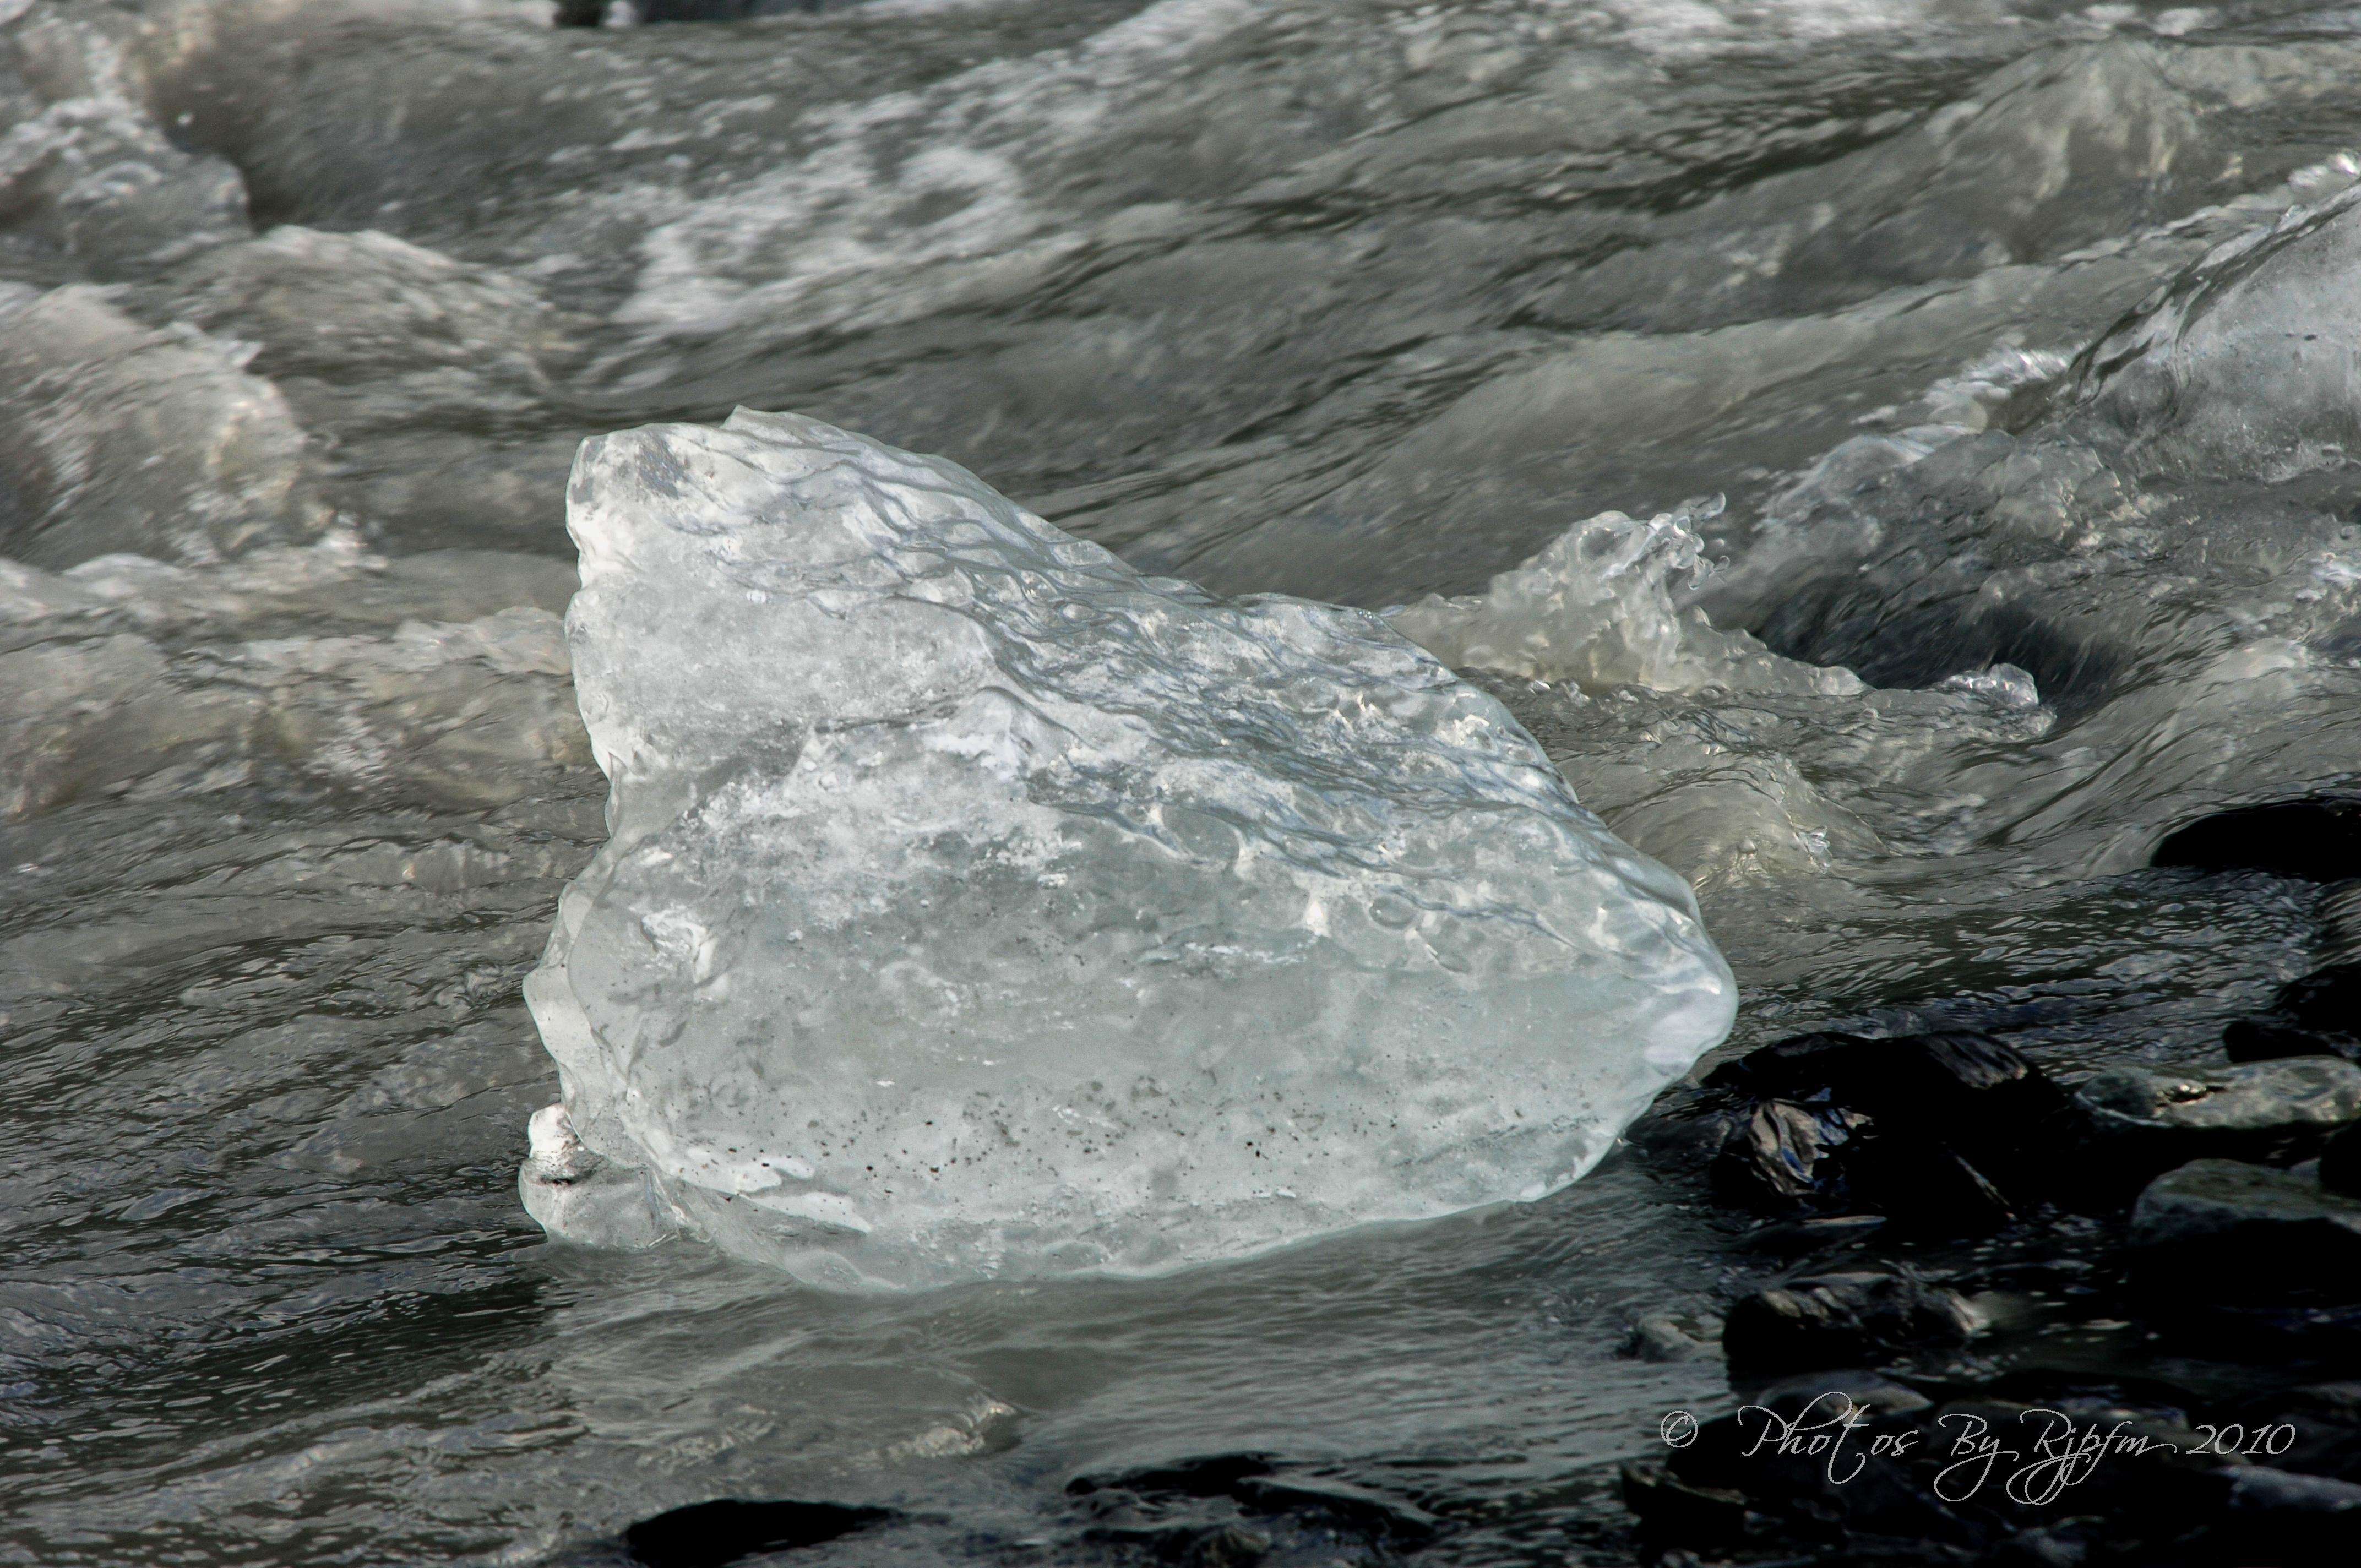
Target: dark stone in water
x: 2340, y: 1162
x: 2273, y: 1516
x: 1972, y: 1092
x: 2317, y: 839
x: 2265, y: 1039
x: 2147, y: 1120
x: 1954, y: 1069
x: 1385, y: 1521
x: 1187, y: 1545
x: 1845, y: 1467
x: 1224, y: 1546
x: 1255, y: 1483
x: 2219, y: 1230
x: 1793, y: 1065
x: 1211, y: 1475
x: 1673, y: 1511
x: 1952, y: 1133
x: 1685, y: 1128
x: 707, y: 1535
x: 1842, y: 1319
x: 1924, y: 1186
x: 2321, y: 1428
x: 2259, y: 1334
x: 2147, y: 1478
x: 1795, y: 1483
x: 2317, y: 1016
x: 2067, y: 1544
x: 1816, y: 1232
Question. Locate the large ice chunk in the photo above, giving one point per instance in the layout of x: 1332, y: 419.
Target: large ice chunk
x: 977, y: 906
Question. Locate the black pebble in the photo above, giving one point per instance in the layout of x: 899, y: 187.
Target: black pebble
x: 1254, y: 1483
x: 1731, y: 1455
x: 1842, y: 1319
x: 707, y: 1535
x: 1671, y: 1509
x: 2317, y: 1016
x: 1950, y: 1132
x: 2340, y: 1162
x: 2275, y: 1517
x: 1210, y: 1475
x: 1960, y: 1085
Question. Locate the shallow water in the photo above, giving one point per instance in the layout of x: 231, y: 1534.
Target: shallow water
x: 305, y: 307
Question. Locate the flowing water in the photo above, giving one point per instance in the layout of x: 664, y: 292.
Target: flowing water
x: 304, y: 305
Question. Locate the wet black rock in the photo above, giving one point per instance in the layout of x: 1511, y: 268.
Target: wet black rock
x: 1190, y: 1545
x: 2223, y: 1231
x: 1950, y: 1132
x: 1672, y: 1512
x: 1843, y: 1319
x: 1926, y: 1187
x: 1781, y: 1158
x: 2340, y: 1162
x: 2314, y: 1429
x: 1809, y: 1455
x: 707, y: 1535
x: 2260, y: 1333
x: 1139, y: 1506
x: 1813, y: 1233
x: 2317, y: 839
x: 2146, y: 1119
x: 1224, y: 1546
x: 1207, y: 1475
x: 2275, y: 1517
x: 1846, y: 1466
x: 2317, y: 1016
x: 2070, y: 1543
x: 2149, y: 1481
x: 1337, y: 1506
x: 1953, y: 1077
x: 1685, y: 1128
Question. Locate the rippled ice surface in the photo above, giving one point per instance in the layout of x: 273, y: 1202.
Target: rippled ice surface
x: 306, y: 307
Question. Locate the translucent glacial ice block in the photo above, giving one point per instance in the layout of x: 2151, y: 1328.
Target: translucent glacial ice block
x: 976, y: 907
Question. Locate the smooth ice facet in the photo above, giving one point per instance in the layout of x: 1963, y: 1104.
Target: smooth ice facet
x: 977, y: 906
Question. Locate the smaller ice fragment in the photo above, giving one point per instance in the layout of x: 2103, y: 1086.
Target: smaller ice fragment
x: 1600, y: 606
x: 2003, y: 684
